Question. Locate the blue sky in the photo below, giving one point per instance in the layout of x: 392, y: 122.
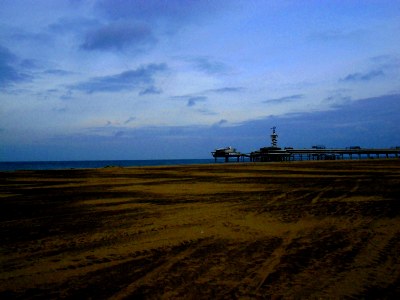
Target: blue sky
x: 119, y: 79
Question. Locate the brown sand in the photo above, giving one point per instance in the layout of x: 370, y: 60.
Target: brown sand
x: 291, y: 230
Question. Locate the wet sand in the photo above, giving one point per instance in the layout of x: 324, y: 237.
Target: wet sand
x: 223, y: 231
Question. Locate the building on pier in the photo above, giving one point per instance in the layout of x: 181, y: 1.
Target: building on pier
x: 226, y: 153
x: 272, y: 153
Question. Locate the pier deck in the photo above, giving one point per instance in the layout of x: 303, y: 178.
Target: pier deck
x: 309, y: 154
x: 323, y: 154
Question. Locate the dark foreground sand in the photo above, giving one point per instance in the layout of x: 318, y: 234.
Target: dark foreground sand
x: 291, y: 230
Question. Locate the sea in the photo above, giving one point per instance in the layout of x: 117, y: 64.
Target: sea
x: 85, y: 164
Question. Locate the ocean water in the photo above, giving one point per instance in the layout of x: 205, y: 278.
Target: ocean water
x: 84, y: 164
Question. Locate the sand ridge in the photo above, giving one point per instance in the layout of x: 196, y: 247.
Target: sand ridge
x: 223, y: 231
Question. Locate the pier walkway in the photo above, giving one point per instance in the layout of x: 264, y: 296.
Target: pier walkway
x: 322, y: 154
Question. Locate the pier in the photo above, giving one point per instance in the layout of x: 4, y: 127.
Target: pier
x: 323, y: 154
x: 227, y: 153
x: 274, y: 153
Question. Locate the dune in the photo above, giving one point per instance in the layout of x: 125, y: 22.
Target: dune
x: 223, y: 231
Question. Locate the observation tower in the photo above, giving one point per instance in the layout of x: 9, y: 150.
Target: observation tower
x: 274, y: 138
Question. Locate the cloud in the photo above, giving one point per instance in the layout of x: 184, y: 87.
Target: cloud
x: 337, y: 35
x: 73, y: 25
x: 30, y: 64
x: 371, y: 122
x: 174, y: 12
x: 129, y: 120
x: 57, y: 72
x: 66, y: 96
x: 386, y: 61
x: 226, y: 90
x: 364, y: 76
x: 208, y: 65
x: 337, y: 99
x: 142, y: 77
x: 26, y: 36
x: 119, y: 134
x: 119, y: 36
x: 151, y: 90
x: 207, y: 112
x: 9, y: 73
x: 192, y: 101
x: 284, y: 99
x: 220, y: 123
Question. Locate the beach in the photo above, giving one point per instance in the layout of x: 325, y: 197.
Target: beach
x: 315, y: 229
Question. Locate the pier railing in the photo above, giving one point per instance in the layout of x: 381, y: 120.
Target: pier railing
x: 312, y: 154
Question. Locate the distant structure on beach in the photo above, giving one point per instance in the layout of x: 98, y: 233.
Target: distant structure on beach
x: 274, y: 153
x: 226, y: 153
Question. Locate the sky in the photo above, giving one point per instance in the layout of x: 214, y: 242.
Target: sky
x: 120, y: 79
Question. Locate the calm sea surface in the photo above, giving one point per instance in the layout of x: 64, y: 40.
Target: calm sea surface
x: 58, y: 165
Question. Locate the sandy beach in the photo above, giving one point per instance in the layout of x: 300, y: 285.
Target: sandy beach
x: 303, y: 230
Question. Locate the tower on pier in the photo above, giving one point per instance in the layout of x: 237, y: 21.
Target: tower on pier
x: 274, y: 138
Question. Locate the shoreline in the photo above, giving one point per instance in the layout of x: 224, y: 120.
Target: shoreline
x: 194, y: 164
x: 92, y: 164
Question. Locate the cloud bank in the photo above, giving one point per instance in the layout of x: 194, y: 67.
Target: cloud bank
x: 119, y: 36
x: 9, y: 72
x: 142, y: 77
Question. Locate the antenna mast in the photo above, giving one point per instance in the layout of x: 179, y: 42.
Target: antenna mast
x: 274, y: 138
